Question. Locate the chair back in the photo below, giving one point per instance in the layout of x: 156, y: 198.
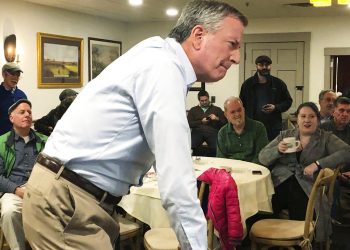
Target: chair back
x: 321, y: 187
x: 210, y: 226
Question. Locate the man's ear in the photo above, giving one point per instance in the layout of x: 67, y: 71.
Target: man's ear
x: 197, y: 34
x: 11, y: 118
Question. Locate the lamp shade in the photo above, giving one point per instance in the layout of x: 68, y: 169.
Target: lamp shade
x: 321, y: 3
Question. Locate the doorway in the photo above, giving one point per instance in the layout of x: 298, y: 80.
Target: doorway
x: 289, y: 52
x: 337, y: 73
x: 340, y: 80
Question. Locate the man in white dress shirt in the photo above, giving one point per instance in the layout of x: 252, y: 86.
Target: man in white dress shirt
x: 131, y: 116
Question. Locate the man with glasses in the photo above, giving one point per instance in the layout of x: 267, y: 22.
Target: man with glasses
x: 9, y: 94
x: 326, y: 100
x: 265, y: 97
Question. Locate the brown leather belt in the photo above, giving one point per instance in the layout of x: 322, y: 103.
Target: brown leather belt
x: 55, y: 166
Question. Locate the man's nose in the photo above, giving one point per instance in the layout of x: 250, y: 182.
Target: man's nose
x: 235, y: 56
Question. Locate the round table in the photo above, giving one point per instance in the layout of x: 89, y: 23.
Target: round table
x: 255, y: 190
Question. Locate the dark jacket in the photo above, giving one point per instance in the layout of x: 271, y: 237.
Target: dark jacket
x: 279, y: 97
x: 7, y: 98
x: 196, y: 114
x: 47, y: 123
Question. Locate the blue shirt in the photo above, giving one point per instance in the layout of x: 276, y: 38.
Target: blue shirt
x: 7, y: 98
x: 130, y: 116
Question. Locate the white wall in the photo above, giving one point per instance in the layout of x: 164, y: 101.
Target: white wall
x: 325, y: 32
x: 25, y: 20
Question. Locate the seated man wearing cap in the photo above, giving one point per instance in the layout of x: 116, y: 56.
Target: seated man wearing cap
x: 9, y: 93
x: 18, y: 151
x: 265, y: 97
x: 47, y: 123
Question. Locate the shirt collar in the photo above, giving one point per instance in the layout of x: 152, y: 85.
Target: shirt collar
x: 31, y: 136
x: 190, y: 75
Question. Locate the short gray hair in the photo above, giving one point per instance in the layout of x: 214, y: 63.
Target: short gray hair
x: 323, y: 92
x: 232, y: 99
x: 203, y: 12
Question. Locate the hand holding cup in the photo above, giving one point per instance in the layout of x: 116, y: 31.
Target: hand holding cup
x: 289, y: 145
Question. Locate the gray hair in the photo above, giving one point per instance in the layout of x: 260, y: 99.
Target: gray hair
x: 232, y: 99
x: 323, y: 92
x: 203, y: 12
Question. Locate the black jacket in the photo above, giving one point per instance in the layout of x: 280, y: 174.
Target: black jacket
x: 280, y: 97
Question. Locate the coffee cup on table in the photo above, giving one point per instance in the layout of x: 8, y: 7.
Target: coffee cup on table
x: 292, y: 144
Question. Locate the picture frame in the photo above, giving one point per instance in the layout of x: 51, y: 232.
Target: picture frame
x: 197, y: 86
x: 60, y: 61
x: 101, y: 53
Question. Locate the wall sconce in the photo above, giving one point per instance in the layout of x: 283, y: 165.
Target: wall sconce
x: 10, y: 48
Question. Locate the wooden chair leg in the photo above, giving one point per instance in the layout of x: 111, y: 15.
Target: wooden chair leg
x: 2, y: 240
x: 253, y: 246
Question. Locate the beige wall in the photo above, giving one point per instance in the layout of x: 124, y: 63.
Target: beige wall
x: 25, y: 20
x: 325, y: 32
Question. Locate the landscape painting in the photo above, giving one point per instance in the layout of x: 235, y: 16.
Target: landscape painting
x: 59, y: 61
x: 101, y: 53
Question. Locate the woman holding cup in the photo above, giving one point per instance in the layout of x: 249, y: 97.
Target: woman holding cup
x: 295, y: 156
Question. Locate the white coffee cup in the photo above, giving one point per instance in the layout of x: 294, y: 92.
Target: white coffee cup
x: 293, y: 144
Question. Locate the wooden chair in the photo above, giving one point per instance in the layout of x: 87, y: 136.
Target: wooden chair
x: 130, y: 229
x: 289, y: 233
x: 165, y: 238
x: 2, y: 240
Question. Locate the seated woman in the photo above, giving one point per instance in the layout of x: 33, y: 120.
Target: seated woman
x: 293, y: 174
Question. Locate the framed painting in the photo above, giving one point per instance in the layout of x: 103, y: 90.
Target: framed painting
x: 101, y: 53
x: 197, y: 86
x: 60, y: 61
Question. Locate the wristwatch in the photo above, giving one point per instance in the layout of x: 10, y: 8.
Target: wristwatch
x: 318, y: 165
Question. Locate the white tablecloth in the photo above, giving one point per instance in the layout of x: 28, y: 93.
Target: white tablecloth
x: 254, y: 191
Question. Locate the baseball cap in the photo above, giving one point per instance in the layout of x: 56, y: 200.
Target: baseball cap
x: 15, y: 105
x: 263, y: 59
x: 11, y: 67
x: 67, y: 92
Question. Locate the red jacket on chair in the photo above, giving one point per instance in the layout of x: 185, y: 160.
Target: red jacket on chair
x: 223, y: 206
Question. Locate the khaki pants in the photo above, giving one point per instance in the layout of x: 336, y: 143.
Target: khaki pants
x: 11, y: 221
x: 59, y: 215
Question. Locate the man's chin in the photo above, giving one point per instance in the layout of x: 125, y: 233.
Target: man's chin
x: 212, y: 77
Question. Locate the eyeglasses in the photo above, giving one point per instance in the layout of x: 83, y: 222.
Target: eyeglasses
x: 17, y: 73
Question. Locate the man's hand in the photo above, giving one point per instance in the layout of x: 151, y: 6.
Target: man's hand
x: 310, y: 170
x: 269, y: 108
x: 205, y: 120
x: 213, y: 117
x: 20, y: 191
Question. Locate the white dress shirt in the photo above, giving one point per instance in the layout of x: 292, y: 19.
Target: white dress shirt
x: 129, y: 116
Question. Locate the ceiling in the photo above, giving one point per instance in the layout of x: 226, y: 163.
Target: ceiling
x: 154, y: 10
